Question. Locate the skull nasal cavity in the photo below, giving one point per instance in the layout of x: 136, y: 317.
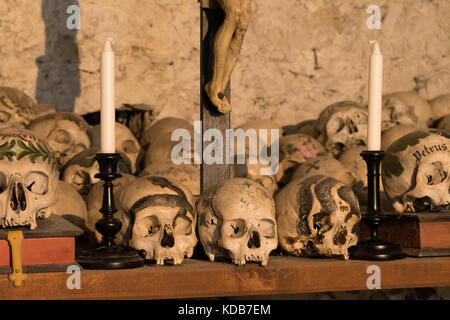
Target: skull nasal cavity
x: 254, y: 241
x: 18, y: 198
x: 167, y: 240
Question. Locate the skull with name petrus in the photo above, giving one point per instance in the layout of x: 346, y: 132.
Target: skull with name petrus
x: 28, y: 178
x: 236, y: 220
x: 415, y: 171
x: 342, y: 125
x: 317, y: 216
x: 162, y: 218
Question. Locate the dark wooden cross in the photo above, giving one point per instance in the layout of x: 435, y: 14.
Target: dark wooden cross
x: 212, y: 17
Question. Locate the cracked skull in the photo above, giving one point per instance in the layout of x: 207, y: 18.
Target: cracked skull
x: 342, y: 125
x: 162, y: 218
x: 28, y: 178
x: 317, y: 216
x: 65, y: 132
x: 237, y: 221
x: 415, y: 171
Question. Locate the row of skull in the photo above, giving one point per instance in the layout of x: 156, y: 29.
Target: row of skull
x: 415, y: 175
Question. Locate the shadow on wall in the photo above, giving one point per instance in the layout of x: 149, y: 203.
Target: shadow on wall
x: 58, y: 81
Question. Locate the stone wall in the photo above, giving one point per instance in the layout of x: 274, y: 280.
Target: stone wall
x: 298, y: 56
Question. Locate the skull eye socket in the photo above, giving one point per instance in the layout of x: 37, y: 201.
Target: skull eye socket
x: 4, y: 117
x: 182, y: 225
x: 336, y: 125
x: 62, y: 136
x: 3, y: 182
x: 267, y: 228
x: 435, y: 173
x: 147, y: 226
x: 37, y: 182
x: 234, y: 228
x: 129, y: 146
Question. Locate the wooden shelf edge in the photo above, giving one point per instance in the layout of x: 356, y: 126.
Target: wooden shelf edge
x: 201, y: 279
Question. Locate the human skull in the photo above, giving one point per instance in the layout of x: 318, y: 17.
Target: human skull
x: 65, y: 132
x: 440, y: 106
x: 70, y: 205
x: 17, y: 109
x: 406, y: 107
x: 162, y: 218
x: 28, y: 178
x: 253, y: 172
x: 295, y: 149
x: 160, y: 150
x: 317, y: 216
x: 342, y: 125
x: 94, y: 201
x: 125, y: 142
x: 326, y: 166
x: 164, y: 127
x: 187, y: 174
x: 395, y: 132
x: 415, y: 171
x: 236, y: 220
x: 80, y: 171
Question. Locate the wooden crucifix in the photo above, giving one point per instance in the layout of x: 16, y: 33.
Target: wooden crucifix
x: 223, y: 26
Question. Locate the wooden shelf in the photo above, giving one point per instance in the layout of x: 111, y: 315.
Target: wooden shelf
x: 198, y: 278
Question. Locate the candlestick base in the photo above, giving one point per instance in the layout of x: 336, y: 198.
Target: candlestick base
x: 376, y: 250
x: 108, y: 258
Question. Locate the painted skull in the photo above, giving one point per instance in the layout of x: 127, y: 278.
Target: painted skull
x: 17, y: 109
x: 28, y: 178
x: 80, y: 171
x: 341, y: 126
x: 162, y: 218
x: 236, y: 220
x: 317, y: 216
x: 295, y: 149
x: 415, y: 171
x: 65, y: 132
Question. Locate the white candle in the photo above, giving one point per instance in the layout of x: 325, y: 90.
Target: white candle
x: 375, y: 96
x: 107, y: 110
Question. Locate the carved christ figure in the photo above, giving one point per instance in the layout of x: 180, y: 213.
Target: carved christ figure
x: 227, y: 46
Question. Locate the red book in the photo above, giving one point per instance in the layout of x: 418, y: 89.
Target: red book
x: 49, y: 247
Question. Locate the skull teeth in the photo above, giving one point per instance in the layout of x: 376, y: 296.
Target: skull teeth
x: 239, y: 262
x: 160, y: 262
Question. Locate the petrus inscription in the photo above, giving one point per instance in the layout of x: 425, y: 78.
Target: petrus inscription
x: 427, y: 150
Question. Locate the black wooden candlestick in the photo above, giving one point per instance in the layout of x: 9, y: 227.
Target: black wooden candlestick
x: 109, y: 255
x: 374, y: 248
